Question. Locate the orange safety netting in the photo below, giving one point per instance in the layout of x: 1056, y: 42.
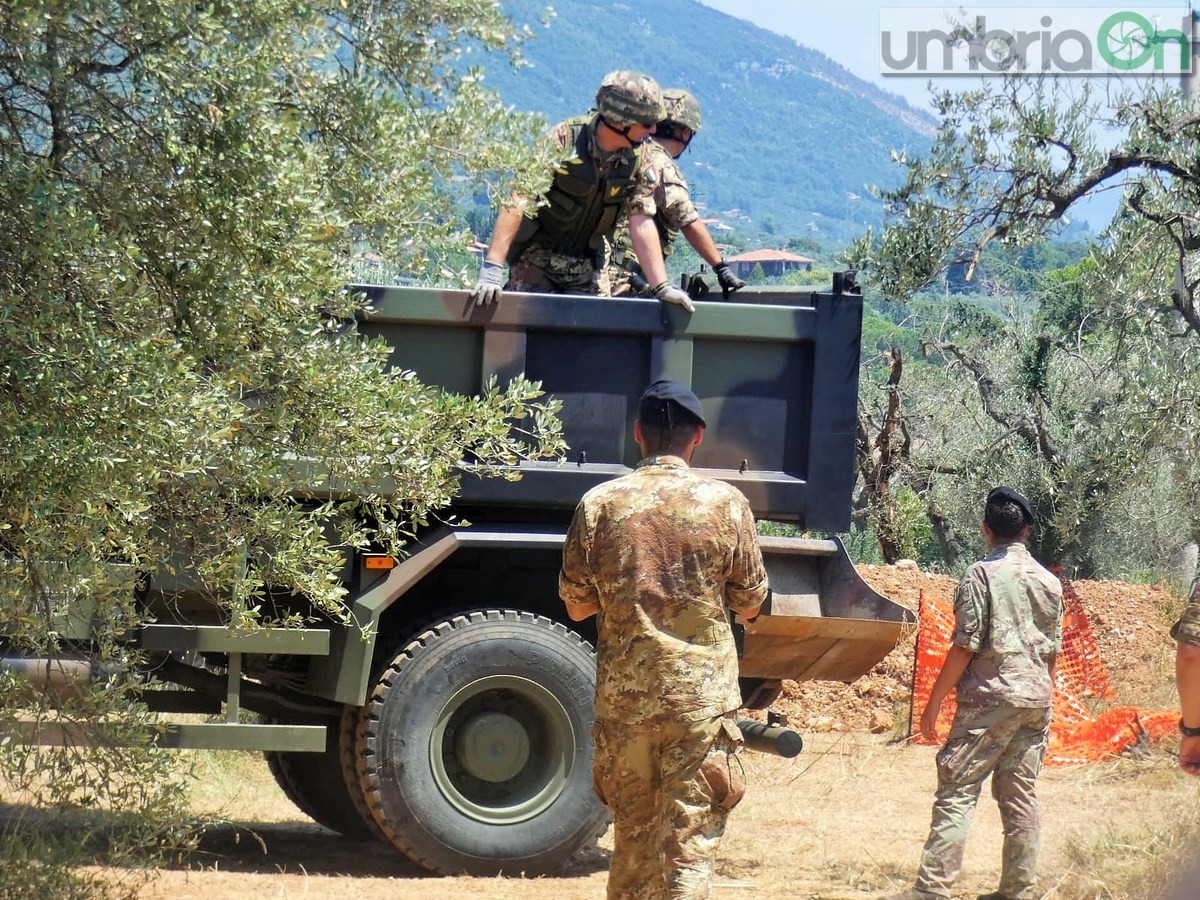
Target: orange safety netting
x: 1076, y: 734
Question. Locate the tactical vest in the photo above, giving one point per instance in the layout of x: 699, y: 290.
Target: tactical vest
x: 582, y: 205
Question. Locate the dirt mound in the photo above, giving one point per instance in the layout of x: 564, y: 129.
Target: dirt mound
x: 1130, y: 623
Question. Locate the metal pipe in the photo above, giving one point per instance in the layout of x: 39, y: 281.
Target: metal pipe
x: 764, y: 738
x: 58, y: 678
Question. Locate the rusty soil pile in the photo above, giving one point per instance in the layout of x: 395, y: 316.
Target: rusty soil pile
x: 1130, y: 622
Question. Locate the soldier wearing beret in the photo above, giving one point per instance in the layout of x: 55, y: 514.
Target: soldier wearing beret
x: 1007, y: 636
x: 660, y: 556
x: 558, y: 248
x: 1187, y: 679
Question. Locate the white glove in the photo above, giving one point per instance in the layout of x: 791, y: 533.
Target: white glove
x: 668, y: 294
x: 490, y: 286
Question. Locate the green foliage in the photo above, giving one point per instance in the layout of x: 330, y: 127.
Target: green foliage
x: 910, y: 530
x: 184, y: 191
x: 1071, y: 373
x: 1010, y: 162
x: 1090, y: 429
x: 779, y: 529
x: 1065, y: 305
x: 802, y: 277
x: 862, y: 546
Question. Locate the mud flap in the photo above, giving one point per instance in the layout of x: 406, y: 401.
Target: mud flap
x: 823, y: 621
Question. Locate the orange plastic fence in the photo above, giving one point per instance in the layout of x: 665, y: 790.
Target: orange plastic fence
x: 1076, y: 734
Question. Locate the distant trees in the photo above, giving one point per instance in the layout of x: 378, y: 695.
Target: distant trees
x: 1001, y: 396
x: 1013, y: 158
x: 1089, y: 402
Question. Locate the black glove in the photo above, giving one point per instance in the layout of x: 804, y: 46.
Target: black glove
x: 697, y: 287
x: 728, y: 281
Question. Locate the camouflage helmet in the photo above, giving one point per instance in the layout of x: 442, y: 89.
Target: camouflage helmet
x: 630, y: 98
x: 682, y: 108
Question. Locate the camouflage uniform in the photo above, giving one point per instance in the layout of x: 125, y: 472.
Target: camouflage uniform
x: 541, y: 269
x: 560, y: 246
x: 668, y: 200
x: 1187, y: 629
x: 544, y: 268
x: 665, y: 553
x: 1008, y: 611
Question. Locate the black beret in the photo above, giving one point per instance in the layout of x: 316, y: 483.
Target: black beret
x: 1004, y: 494
x: 667, y: 403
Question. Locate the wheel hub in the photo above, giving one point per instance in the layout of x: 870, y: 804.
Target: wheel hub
x: 492, y: 746
x: 501, y: 749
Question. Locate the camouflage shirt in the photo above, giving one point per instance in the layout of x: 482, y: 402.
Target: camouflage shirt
x: 1008, y: 610
x: 665, y: 553
x: 664, y: 196
x: 1187, y: 629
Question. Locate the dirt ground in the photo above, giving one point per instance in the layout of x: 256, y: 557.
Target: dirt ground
x: 845, y: 819
x: 1130, y: 623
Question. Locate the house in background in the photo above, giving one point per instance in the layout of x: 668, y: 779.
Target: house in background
x: 773, y: 262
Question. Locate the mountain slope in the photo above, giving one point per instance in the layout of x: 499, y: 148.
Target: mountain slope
x: 791, y: 139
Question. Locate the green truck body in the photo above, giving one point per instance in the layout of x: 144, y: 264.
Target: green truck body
x: 453, y: 720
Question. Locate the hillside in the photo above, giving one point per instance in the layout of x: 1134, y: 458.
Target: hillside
x: 791, y: 139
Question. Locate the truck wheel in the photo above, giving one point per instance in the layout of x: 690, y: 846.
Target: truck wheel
x: 315, y: 783
x: 474, y: 749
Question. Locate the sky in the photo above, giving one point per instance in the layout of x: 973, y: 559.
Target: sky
x: 847, y: 31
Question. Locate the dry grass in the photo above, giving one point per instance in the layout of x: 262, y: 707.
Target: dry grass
x: 845, y: 819
x: 848, y: 818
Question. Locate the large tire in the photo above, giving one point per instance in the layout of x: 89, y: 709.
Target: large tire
x: 316, y: 783
x: 474, y: 749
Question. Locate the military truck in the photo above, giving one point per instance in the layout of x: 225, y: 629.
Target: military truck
x: 452, y: 719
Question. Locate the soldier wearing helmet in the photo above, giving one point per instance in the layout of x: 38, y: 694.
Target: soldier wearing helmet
x: 671, y: 206
x: 559, y: 247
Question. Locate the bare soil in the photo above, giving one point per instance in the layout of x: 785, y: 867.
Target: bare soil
x: 845, y: 819
x: 1130, y: 623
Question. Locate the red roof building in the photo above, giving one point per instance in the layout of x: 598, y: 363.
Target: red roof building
x: 773, y: 262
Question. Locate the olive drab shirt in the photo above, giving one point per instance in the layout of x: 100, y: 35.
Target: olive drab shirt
x: 665, y: 553
x: 1008, y: 610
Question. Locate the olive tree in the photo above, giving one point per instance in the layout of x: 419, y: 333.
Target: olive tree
x: 1013, y: 158
x: 1091, y: 391
x: 185, y: 187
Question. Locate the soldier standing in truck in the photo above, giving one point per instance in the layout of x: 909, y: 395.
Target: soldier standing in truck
x: 660, y: 556
x: 1007, y: 636
x: 674, y: 211
x: 559, y: 248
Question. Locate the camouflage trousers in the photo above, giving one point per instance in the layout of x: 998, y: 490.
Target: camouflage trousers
x: 670, y: 786
x: 544, y: 270
x: 1009, y: 744
x: 619, y: 280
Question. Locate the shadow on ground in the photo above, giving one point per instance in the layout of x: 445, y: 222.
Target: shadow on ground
x: 270, y: 848
x: 279, y: 847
